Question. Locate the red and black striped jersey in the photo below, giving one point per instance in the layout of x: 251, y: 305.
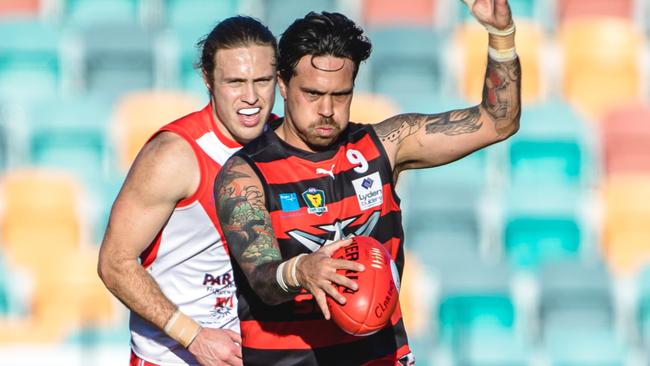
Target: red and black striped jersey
x: 315, y: 199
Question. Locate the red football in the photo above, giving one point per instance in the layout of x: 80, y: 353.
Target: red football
x: 369, y: 308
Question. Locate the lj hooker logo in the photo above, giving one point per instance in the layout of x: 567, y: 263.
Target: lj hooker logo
x: 315, y: 200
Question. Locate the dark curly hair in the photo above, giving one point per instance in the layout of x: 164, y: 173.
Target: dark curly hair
x: 233, y: 32
x: 320, y: 34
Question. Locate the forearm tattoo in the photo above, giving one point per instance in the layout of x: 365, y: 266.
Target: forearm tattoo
x: 501, y: 94
x: 246, y: 225
x: 501, y: 102
x: 451, y: 123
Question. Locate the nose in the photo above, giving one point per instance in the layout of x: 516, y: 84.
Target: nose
x: 326, y: 108
x: 249, y: 94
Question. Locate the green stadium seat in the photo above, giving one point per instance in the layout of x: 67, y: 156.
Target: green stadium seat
x: 405, y: 62
x: 542, y: 225
x: 85, y: 12
x: 29, y: 60
x: 279, y: 14
x: 577, y: 314
x: 117, y: 58
x: 551, y: 146
x: 198, y: 14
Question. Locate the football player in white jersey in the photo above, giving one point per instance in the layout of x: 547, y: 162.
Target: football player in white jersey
x: 162, y: 253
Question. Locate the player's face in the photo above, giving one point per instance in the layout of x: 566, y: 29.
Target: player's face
x: 243, y: 90
x: 317, y: 101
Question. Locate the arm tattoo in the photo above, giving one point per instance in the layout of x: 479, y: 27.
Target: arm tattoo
x: 451, y: 123
x: 501, y: 94
x: 247, y: 228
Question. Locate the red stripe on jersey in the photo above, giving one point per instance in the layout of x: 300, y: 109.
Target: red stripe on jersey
x: 275, y: 172
x: 137, y: 361
x: 298, y: 218
x: 149, y: 255
x: 296, y: 334
x: 390, y: 360
x: 292, y: 335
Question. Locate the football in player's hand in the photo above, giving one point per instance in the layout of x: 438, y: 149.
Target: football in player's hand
x: 369, y: 308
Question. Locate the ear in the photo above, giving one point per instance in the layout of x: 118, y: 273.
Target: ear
x: 206, y: 81
x: 283, y: 87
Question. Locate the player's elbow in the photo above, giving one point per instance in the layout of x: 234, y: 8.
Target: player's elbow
x: 108, y: 271
x: 511, y: 127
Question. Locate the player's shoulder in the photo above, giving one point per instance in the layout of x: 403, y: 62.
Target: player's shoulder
x: 169, y: 151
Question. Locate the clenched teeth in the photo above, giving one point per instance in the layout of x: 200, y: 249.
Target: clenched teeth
x: 249, y: 111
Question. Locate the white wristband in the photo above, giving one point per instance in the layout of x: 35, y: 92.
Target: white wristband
x: 501, y: 32
x: 279, y: 277
x: 502, y: 55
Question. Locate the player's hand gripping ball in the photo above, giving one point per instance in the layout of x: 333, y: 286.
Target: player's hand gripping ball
x: 369, y: 308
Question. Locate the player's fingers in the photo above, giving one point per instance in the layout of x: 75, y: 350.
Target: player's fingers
x: 331, y: 248
x: 344, y: 281
x: 237, y: 353
x: 348, y: 265
x: 332, y: 292
x: 235, y: 361
x: 234, y: 336
x: 322, y: 303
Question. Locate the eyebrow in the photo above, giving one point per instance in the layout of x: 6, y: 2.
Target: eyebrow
x: 262, y: 78
x: 319, y: 92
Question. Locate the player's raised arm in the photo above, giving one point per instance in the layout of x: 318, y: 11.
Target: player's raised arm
x: 423, y: 140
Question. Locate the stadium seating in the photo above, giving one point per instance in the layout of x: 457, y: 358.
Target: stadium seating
x: 571, y: 9
x: 40, y: 217
x: 594, y: 78
x: 577, y: 314
x: 626, y: 224
x: 472, y: 39
x: 403, y: 70
x: 278, y: 21
x: 84, y: 83
x: 138, y: 115
x: 12, y: 9
x: 553, y: 145
x: 117, y: 58
x: 387, y: 13
x: 371, y: 108
x: 542, y: 225
x: 29, y: 60
x: 198, y: 14
x: 86, y: 12
x: 625, y: 133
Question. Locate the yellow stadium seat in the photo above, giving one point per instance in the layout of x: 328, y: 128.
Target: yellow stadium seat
x: 601, y: 63
x: 626, y: 226
x: 40, y: 216
x: 414, y: 299
x: 138, y: 115
x: 473, y: 40
x: 70, y: 298
x: 371, y: 108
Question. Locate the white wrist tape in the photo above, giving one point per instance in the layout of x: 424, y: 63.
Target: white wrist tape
x: 182, y: 328
x: 279, y: 277
x: 502, y: 55
x: 501, y: 32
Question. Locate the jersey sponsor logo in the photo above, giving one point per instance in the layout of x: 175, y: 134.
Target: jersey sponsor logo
x: 315, y: 200
x: 325, y: 171
x: 369, y: 190
x: 289, y: 202
x: 223, y: 306
x: 338, y: 228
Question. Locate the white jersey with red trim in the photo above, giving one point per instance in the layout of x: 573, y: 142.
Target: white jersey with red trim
x: 188, y: 258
